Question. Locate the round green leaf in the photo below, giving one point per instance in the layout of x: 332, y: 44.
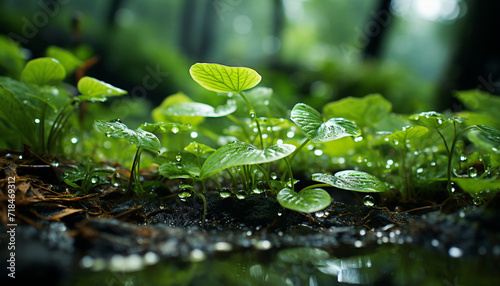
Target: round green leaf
x: 352, y: 180
x: 198, y: 148
x: 220, y: 78
x: 198, y: 109
x: 240, y: 153
x: 139, y: 137
x: 43, y: 71
x: 310, y: 122
x: 307, y: 201
x: 69, y: 61
x: 92, y: 89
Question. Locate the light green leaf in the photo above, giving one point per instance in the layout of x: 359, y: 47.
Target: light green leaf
x: 165, y: 127
x: 312, y: 125
x: 159, y: 114
x: 480, y: 100
x: 241, y: 153
x: 307, y: 201
x: 352, y: 180
x: 407, y: 133
x: 486, y: 137
x: 94, y: 90
x: 43, y: 71
x: 69, y: 61
x: 220, y: 78
x: 478, y: 187
x: 139, y: 137
x: 174, y: 170
x: 198, y: 148
x: 365, y: 111
x: 430, y: 119
x: 13, y: 112
x: 191, y: 109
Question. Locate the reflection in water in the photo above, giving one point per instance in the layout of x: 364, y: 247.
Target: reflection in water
x: 385, y: 265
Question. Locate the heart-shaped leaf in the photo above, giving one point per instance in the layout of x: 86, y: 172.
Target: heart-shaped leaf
x: 240, y: 153
x: 310, y: 122
x: 139, y: 137
x: 199, y: 109
x: 352, y: 180
x: 220, y: 78
x: 198, y: 149
x: 43, y: 71
x: 307, y: 201
x: 92, y: 89
x: 407, y: 133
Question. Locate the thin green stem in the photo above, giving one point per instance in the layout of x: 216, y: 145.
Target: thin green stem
x: 204, y: 209
x: 254, y: 115
x: 452, y: 150
x: 292, y: 181
x: 41, y: 129
x: 486, y: 172
x: 136, y: 158
x: 297, y: 150
x: 266, y: 177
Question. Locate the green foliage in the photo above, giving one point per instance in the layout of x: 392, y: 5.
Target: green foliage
x: 352, y: 180
x: 138, y: 137
x: 307, y: 201
x: 221, y: 78
x: 94, y: 90
x: 241, y: 153
x: 43, y: 71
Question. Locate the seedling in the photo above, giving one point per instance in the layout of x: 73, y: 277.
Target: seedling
x: 140, y: 138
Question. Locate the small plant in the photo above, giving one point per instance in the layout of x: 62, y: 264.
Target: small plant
x: 140, y: 138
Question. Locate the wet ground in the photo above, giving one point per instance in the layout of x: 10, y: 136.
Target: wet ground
x: 107, y: 237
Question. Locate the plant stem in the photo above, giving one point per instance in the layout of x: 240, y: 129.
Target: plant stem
x: 136, y: 158
x: 242, y: 126
x: 297, y: 150
x: 265, y: 176
x: 254, y: 115
x: 292, y: 181
x: 452, y: 149
x: 204, y: 209
x: 41, y: 128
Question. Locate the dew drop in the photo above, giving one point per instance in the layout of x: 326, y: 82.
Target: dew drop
x: 194, y: 134
x: 368, y: 201
x: 274, y: 176
x: 224, y: 193
x: 472, y: 172
x: 37, y: 121
x: 175, y: 129
x: 252, y: 114
x: 463, y: 158
x: 357, y: 139
x: 184, y: 195
x: 94, y: 180
x: 74, y: 140
x: 290, y: 134
x: 319, y: 214
x: 178, y: 158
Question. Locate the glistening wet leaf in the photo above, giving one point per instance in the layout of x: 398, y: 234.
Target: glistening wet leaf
x: 352, y: 180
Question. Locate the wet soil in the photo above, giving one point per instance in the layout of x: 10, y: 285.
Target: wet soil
x: 56, y: 228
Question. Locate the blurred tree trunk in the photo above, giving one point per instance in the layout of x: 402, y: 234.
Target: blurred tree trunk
x: 377, y: 26
x: 476, y: 63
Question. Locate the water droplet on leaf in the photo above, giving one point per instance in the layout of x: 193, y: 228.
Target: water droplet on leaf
x: 472, y: 172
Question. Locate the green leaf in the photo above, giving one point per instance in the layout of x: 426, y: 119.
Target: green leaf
x: 11, y: 56
x: 198, y: 148
x: 159, y: 114
x: 241, y: 153
x: 430, y: 119
x: 69, y: 61
x: 352, y: 180
x: 407, y: 133
x: 174, y: 170
x: 365, y: 111
x: 43, y: 71
x: 191, y: 109
x: 14, y: 113
x: 165, y: 127
x: 139, y: 137
x: 94, y: 90
x: 486, y: 137
x: 478, y: 187
x: 480, y: 100
x: 312, y: 125
x: 307, y: 201
x: 220, y: 78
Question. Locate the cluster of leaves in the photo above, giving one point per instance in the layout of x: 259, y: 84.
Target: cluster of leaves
x: 408, y: 152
